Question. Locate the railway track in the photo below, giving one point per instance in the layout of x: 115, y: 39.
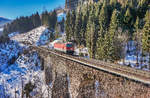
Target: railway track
x: 124, y: 71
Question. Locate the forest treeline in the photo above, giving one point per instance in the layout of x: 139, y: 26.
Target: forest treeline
x: 26, y: 23
x: 105, y: 28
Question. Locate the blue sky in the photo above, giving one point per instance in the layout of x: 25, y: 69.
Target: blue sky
x: 15, y: 8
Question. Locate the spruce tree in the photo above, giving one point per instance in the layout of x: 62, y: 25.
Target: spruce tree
x: 146, y: 34
x: 112, y: 46
x: 103, y: 26
x: 45, y: 18
x: 72, y: 24
x: 57, y: 30
x: 83, y: 29
x: 128, y: 16
x: 67, y: 27
x: 78, y: 25
x: 53, y: 19
x: 85, y: 16
x: 36, y: 20
x: 115, y: 4
x: 137, y: 37
x: 103, y: 19
x: 91, y: 34
x: 142, y: 8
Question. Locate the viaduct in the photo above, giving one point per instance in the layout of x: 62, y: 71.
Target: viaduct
x: 76, y: 77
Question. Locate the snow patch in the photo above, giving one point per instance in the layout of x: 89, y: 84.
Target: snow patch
x: 60, y: 16
x: 1, y: 29
x: 36, y: 36
x: 13, y: 34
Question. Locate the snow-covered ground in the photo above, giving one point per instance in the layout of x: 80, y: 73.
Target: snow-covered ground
x: 1, y: 29
x: 60, y: 16
x: 26, y: 68
x: 17, y: 68
x: 8, y: 51
x: 36, y: 36
x: 12, y: 34
x: 133, y: 56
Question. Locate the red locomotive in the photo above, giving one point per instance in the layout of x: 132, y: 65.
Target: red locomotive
x: 64, y: 47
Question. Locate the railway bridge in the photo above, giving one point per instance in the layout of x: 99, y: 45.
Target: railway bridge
x: 76, y: 77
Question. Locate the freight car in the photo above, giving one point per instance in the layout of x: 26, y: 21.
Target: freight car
x: 64, y: 47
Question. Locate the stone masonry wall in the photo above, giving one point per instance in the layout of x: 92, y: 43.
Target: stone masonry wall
x: 73, y: 80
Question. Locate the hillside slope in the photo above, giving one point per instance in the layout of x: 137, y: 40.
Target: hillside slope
x: 18, y: 68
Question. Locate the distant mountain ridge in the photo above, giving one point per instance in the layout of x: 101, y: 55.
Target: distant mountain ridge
x: 3, y: 21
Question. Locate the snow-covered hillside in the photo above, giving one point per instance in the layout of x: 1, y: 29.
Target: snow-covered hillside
x: 8, y: 51
x: 37, y: 36
x: 17, y: 68
x: 26, y: 68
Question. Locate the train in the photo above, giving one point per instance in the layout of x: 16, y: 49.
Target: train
x: 67, y: 47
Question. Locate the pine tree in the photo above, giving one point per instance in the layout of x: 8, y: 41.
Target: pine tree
x: 49, y: 19
x: 85, y: 15
x: 57, y: 30
x: 36, y: 20
x: 115, y: 4
x: 73, y: 23
x: 137, y: 37
x: 103, y: 26
x: 103, y: 19
x: 67, y: 27
x: 98, y: 7
x: 91, y: 34
x: 83, y: 29
x: 78, y: 25
x: 112, y: 45
x: 146, y: 34
x: 129, y: 20
x: 128, y: 16
x: 45, y: 18
x: 52, y: 19
x: 142, y: 8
